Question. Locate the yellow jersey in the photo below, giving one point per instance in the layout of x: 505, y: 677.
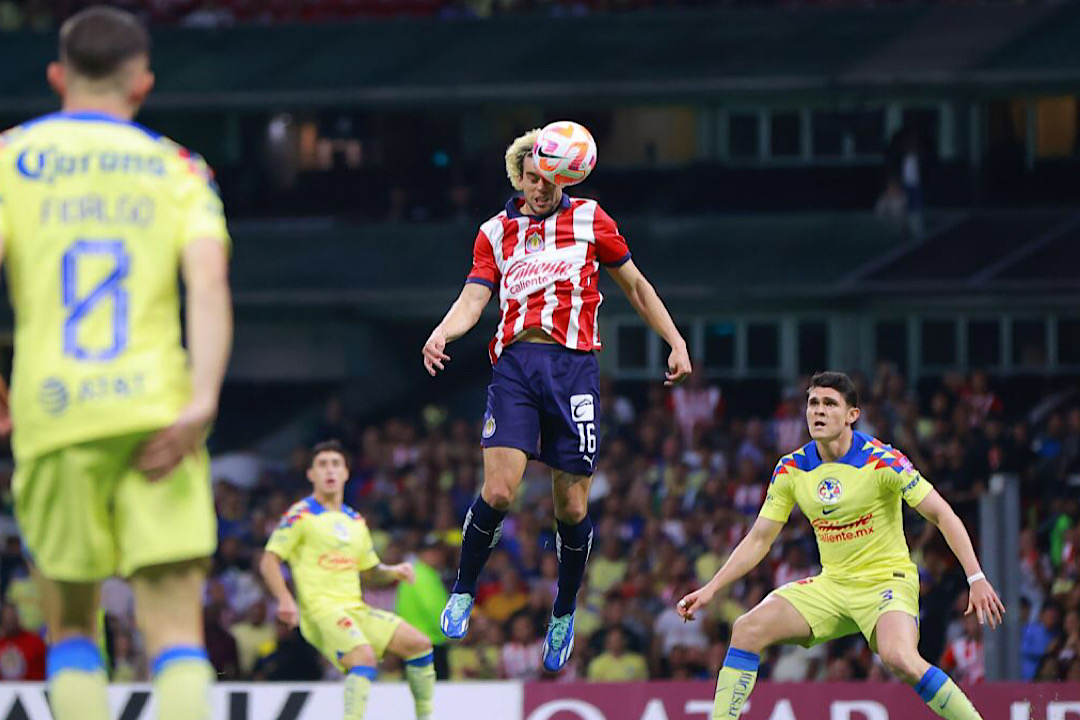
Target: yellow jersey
x: 326, y: 551
x: 94, y: 214
x: 853, y: 504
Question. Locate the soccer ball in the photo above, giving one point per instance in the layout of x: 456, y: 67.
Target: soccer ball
x: 564, y: 153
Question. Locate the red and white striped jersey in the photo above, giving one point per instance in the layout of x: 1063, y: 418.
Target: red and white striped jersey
x: 546, y: 270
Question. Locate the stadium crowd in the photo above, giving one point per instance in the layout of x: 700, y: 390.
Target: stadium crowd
x: 678, y: 482
x: 45, y: 15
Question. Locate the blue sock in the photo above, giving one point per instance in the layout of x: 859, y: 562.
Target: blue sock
x: 572, y: 545
x: 483, y: 526
x: 77, y: 653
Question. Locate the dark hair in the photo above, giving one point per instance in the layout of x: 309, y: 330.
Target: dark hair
x: 839, y: 382
x: 332, y: 446
x: 96, y: 42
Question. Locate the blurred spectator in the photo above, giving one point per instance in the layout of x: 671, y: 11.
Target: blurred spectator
x: 696, y: 406
x: 477, y: 656
x: 615, y: 664
x: 22, y: 653
x: 221, y: 646
x: 518, y: 658
x: 254, y: 635
x: 1037, y: 639
x: 964, y: 657
x: 292, y: 659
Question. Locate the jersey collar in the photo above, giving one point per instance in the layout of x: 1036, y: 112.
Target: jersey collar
x: 849, y: 458
x: 513, y: 211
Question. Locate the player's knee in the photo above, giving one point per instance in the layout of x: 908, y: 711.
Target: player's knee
x: 498, y: 495
x: 572, y: 511
x: 901, y: 662
x: 362, y: 656
x: 747, y: 633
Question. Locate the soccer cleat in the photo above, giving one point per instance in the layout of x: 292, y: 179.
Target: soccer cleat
x: 559, y: 642
x: 454, y: 620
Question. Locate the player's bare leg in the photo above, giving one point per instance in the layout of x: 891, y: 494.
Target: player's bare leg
x: 415, y: 648
x: 168, y: 610
x: 77, y: 680
x: 359, y: 664
x: 572, y: 544
x: 774, y: 620
x: 897, y: 642
x: 503, y: 470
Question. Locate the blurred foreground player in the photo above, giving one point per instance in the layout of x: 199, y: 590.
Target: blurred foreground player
x: 326, y: 544
x: 98, y: 215
x: 543, y: 252
x: 849, y: 485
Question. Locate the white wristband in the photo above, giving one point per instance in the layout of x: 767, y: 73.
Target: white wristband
x: 976, y: 576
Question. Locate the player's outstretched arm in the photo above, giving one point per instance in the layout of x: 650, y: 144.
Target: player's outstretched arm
x: 982, y: 598
x: 385, y: 574
x: 750, y: 551
x: 642, y: 295
x: 270, y: 569
x: 460, y: 319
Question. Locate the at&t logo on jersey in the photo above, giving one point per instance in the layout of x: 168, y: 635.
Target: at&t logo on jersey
x: 54, y: 396
x: 829, y: 491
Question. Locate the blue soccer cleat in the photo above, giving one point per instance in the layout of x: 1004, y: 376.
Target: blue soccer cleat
x: 454, y: 620
x: 559, y: 642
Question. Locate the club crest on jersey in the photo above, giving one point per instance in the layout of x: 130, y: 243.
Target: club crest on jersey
x: 341, y: 532
x: 534, y: 242
x: 489, y: 427
x: 829, y: 491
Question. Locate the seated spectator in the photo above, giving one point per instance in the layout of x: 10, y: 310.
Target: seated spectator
x: 510, y: 597
x: 519, y: 654
x: 22, y: 653
x: 253, y: 633
x: 1037, y: 638
x: 292, y: 659
x: 477, y: 656
x: 615, y: 664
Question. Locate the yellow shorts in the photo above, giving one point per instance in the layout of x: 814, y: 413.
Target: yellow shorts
x: 86, y: 514
x: 835, y: 607
x: 337, y: 631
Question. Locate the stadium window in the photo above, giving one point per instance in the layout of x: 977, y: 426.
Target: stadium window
x: 1068, y: 335
x: 1055, y: 127
x: 720, y: 346
x: 784, y: 135
x: 1029, y: 343
x: 762, y: 346
x: 633, y: 345
x: 938, y: 346
x: 867, y: 129
x: 828, y: 134
x: 984, y: 343
x: 813, y: 347
x: 743, y: 135
x: 925, y: 122
x: 891, y: 343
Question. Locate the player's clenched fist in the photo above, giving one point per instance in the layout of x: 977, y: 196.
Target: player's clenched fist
x: 693, y: 602
x: 288, y: 613
x: 434, y: 352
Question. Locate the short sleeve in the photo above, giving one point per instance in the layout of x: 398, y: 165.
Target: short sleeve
x: 611, y: 248
x: 899, y: 475
x: 367, y: 558
x: 286, y: 536
x: 779, y: 497
x: 202, y: 212
x: 484, y: 270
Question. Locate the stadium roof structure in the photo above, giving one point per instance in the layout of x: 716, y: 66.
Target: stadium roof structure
x: 693, y: 54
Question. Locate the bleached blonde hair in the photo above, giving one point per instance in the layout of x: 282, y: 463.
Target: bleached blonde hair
x: 515, y: 156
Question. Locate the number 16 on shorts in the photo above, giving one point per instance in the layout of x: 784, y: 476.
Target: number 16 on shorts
x: 583, y: 412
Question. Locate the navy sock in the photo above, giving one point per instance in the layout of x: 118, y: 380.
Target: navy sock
x: 483, y: 526
x: 572, y: 544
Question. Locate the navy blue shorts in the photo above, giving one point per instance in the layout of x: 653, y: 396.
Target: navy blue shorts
x: 543, y: 399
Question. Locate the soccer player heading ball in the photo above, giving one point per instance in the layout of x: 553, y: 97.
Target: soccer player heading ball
x: 98, y: 217
x: 849, y: 485
x: 543, y: 254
